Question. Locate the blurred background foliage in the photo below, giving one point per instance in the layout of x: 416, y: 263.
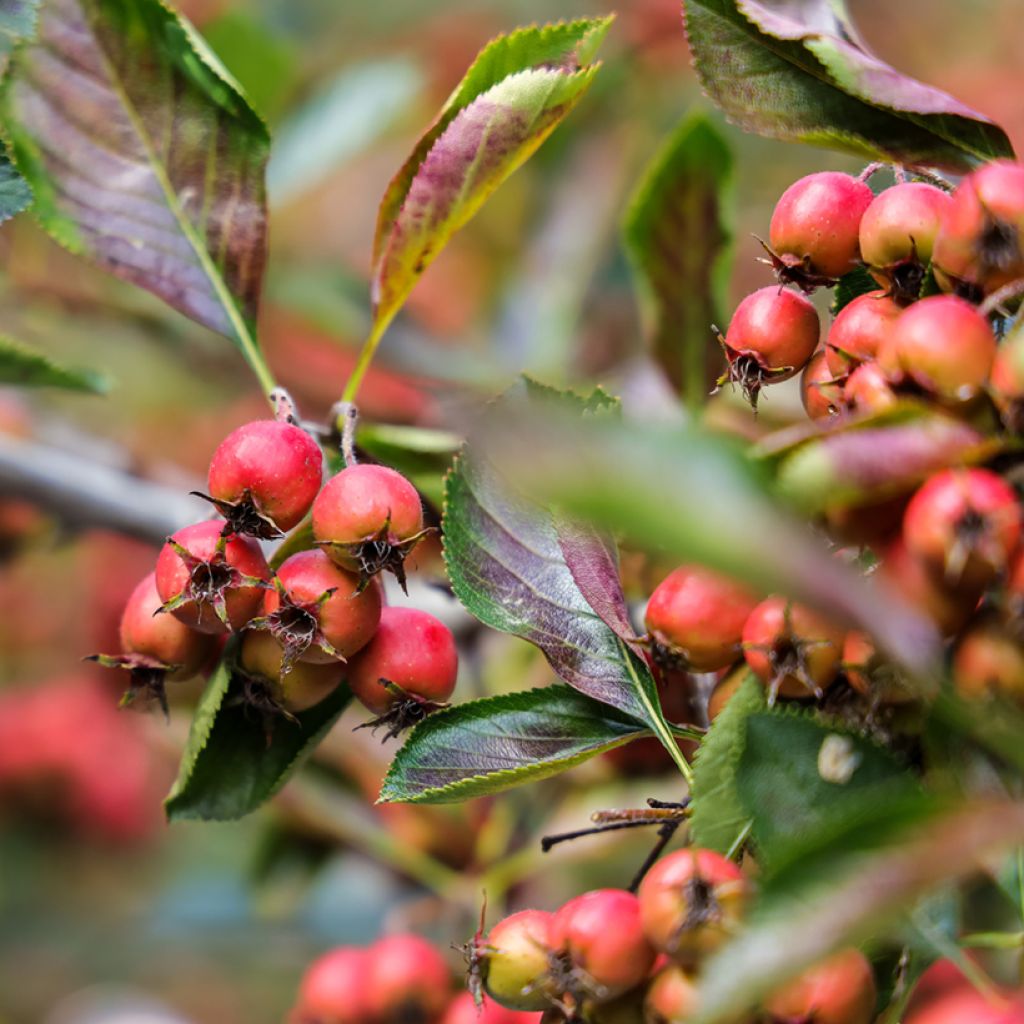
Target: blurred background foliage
x: 100, y: 903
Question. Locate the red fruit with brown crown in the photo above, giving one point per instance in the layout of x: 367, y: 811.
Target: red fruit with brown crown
x: 514, y: 961
x: 303, y: 686
x: 407, y: 981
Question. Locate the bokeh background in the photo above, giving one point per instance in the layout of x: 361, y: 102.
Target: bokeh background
x: 107, y: 914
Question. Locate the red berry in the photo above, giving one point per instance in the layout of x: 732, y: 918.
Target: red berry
x: 317, y: 611
x: 407, y: 981
x: 602, y: 940
x: 407, y: 670
x: 333, y: 989
x: 989, y: 660
x: 209, y: 581
x: 820, y: 392
x: 515, y: 961
x: 264, y: 477
x: 771, y: 337
x: 964, y: 524
x: 1006, y: 381
x: 981, y: 243
x: 966, y: 1005
x: 839, y: 990
x: 722, y: 694
x: 897, y: 234
x: 858, y: 331
x: 867, y: 390
x: 870, y: 674
x: 463, y: 1010
x: 792, y: 650
x: 303, y: 686
x: 367, y: 518
x: 695, y: 620
x: 671, y: 997
x: 691, y: 902
x: 815, y: 224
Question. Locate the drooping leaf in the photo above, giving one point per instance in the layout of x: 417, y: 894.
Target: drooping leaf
x: 806, y: 784
x: 507, y: 566
x: 679, y: 241
x: 718, y: 816
x: 487, y: 745
x: 231, y: 764
x: 806, y: 916
x: 515, y: 94
x: 144, y: 156
x: 28, y: 368
x: 801, y: 74
x: 15, y: 193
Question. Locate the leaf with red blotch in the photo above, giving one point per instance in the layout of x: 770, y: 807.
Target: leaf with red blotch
x: 516, y: 93
x: 796, y: 70
x: 144, y: 156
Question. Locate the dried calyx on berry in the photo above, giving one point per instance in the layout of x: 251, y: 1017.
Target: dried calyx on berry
x: 368, y: 518
x: 156, y: 649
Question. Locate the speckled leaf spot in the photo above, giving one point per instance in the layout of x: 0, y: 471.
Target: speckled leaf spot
x: 144, y: 155
x: 798, y: 71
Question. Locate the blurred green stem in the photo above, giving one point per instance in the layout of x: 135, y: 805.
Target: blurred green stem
x: 366, y: 354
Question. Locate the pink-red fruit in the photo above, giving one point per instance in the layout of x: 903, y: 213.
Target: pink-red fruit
x: 691, y: 902
x: 816, y: 221
x: 601, y: 935
x: 858, y: 331
x: 989, y: 660
x: 671, y: 996
x: 515, y: 961
x: 333, y: 989
x: 839, y: 990
x: 463, y: 1010
x: 695, y: 619
x: 820, y: 392
x: 407, y: 981
x: 264, y: 477
x: 209, y: 581
x: 867, y: 390
x: 303, y: 686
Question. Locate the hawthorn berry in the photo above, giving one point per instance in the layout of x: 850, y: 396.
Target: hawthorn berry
x: 514, y: 961
x: 873, y: 522
x: 211, y: 582
x: 304, y: 685
x: 264, y: 476
x: 858, y: 331
x: 839, y: 990
x: 691, y: 902
x: 406, y: 670
x: 333, y: 989
x: 989, y: 660
x: 966, y: 1005
x: 1006, y: 382
x: 771, y: 337
x: 695, y: 620
x: 463, y: 1010
x: 722, y: 694
x: 870, y: 674
x: 368, y: 518
x: 897, y: 235
x: 981, y: 244
x: 820, y: 392
x: 600, y: 947
x: 407, y: 981
x: 814, y: 228
x: 942, y: 344
x: 317, y: 611
x: 671, y: 996
x: 867, y: 390
x: 156, y: 648
x: 964, y: 524
x: 791, y: 649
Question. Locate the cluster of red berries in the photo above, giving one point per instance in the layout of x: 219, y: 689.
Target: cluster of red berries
x: 889, y: 341
x: 612, y: 956
x: 320, y: 618
x: 400, y: 979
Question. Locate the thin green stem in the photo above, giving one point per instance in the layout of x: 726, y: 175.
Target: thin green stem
x: 366, y: 355
x: 737, y: 843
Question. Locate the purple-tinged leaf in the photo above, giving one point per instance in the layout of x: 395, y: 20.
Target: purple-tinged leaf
x: 797, y: 71
x: 144, y: 156
x: 515, y: 94
x: 679, y: 242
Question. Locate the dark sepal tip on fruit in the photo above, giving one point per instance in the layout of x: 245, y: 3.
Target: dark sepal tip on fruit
x: 295, y: 625
x: 243, y: 517
x: 406, y: 711
x: 376, y: 555
x: 147, y: 678
x: 256, y: 696
x: 795, y: 270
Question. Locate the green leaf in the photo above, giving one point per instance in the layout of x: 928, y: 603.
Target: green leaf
x: 15, y: 192
x: 718, y: 815
x: 230, y: 765
x: 518, y: 90
x: 17, y: 22
x: 807, y: 784
x: 801, y: 74
x: 679, y: 241
x: 522, y: 570
x: 144, y: 156
x: 28, y: 368
x: 849, y: 902
x: 856, y: 283
x: 492, y: 744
